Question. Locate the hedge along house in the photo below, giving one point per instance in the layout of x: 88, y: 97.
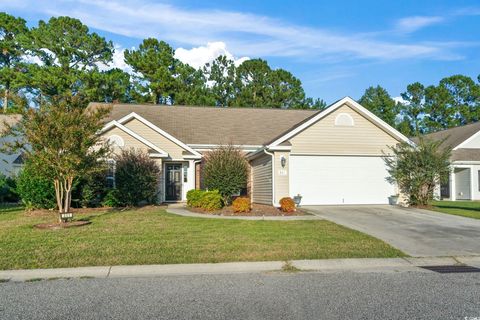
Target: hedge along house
x: 334, y: 156
x: 464, y: 179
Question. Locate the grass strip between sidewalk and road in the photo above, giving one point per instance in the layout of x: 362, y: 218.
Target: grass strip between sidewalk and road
x: 153, y: 236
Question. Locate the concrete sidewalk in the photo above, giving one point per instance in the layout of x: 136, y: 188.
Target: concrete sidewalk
x: 179, y: 209
x: 327, y: 265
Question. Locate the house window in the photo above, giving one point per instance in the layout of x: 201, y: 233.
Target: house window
x: 185, y: 174
x: 110, y: 173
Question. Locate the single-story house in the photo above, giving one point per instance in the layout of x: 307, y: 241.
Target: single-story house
x: 464, y: 180
x: 333, y: 156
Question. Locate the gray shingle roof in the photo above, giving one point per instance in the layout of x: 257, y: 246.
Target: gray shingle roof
x: 212, y: 125
x: 454, y: 136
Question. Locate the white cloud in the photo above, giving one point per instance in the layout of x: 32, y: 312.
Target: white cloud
x: 246, y: 34
x: 117, y: 61
x: 412, y: 24
x: 197, y: 57
x: 399, y: 99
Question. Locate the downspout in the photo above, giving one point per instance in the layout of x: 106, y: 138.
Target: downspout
x: 273, y: 174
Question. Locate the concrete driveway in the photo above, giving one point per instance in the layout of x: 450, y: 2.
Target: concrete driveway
x: 415, y: 232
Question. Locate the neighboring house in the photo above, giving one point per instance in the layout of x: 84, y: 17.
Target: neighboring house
x: 10, y: 164
x: 334, y: 156
x: 464, y: 180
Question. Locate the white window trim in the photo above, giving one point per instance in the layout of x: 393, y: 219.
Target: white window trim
x: 354, y: 105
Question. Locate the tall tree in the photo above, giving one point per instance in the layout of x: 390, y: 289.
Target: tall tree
x: 156, y: 65
x: 253, y: 84
x: 455, y: 101
x: 221, y: 74
x: 192, y: 87
x: 286, y: 90
x: 412, y: 110
x: 60, y: 141
x: 67, y: 50
x: 107, y: 86
x: 377, y: 100
x: 12, y: 67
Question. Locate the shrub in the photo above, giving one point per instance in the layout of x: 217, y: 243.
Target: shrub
x: 418, y: 169
x: 225, y: 170
x: 287, y: 205
x: 211, y: 200
x: 8, y: 191
x: 35, y: 192
x: 112, y: 199
x: 93, y: 189
x: 136, y: 178
x: 194, y: 198
x: 241, y: 204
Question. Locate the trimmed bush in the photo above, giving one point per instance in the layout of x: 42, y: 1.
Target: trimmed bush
x: 225, y: 170
x: 136, y: 178
x: 211, y: 200
x: 287, y: 205
x: 34, y: 191
x: 241, y: 204
x: 194, y: 198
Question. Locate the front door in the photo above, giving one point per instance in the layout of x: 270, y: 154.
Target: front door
x: 173, y: 182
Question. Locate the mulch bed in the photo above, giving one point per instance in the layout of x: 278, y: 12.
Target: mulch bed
x: 258, y: 210
x: 58, y: 225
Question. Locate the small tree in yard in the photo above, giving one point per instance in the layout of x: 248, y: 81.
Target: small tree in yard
x: 136, y: 177
x: 225, y: 170
x: 60, y: 142
x: 418, y: 169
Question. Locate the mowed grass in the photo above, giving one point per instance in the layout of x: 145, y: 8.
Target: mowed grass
x: 156, y: 237
x: 470, y: 209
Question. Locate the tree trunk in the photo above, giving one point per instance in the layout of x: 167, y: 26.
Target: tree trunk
x: 5, y: 100
x: 63, y: 195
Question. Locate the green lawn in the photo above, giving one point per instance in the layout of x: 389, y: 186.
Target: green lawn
x: 156, y: 237
x: 470, y: 209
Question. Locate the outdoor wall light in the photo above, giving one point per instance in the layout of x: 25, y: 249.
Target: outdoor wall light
x: 283, y: 161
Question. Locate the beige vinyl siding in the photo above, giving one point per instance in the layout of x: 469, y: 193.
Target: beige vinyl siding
x: 130, y: 142
x: 262, y: 179
x: 174, y: 150
x: 326, y: 138
x: 282, y: 188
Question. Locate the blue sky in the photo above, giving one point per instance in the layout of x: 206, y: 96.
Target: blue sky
x: 336, y: 48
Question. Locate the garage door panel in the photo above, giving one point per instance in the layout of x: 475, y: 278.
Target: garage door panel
x: 339, y: 180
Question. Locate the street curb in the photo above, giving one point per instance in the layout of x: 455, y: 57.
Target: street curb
x: 325, y: 265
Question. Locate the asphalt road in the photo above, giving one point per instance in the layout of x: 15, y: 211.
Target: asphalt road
x: 342, y: 295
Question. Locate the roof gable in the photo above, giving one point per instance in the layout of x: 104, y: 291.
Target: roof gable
x: 457, y: 136
x: 319, y: 116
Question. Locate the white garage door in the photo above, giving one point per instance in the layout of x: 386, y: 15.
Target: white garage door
x: 339, y: 180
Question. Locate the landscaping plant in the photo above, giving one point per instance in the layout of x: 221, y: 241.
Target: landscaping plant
x: 287, y: 205
x: 241, y: 204
x: 194, y: 198
x: 8, y: 191
x: 225, y: 170
x: 35, y: 191
x: 136, y: 178
x: 61, y: 143
x: 418, y: 169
